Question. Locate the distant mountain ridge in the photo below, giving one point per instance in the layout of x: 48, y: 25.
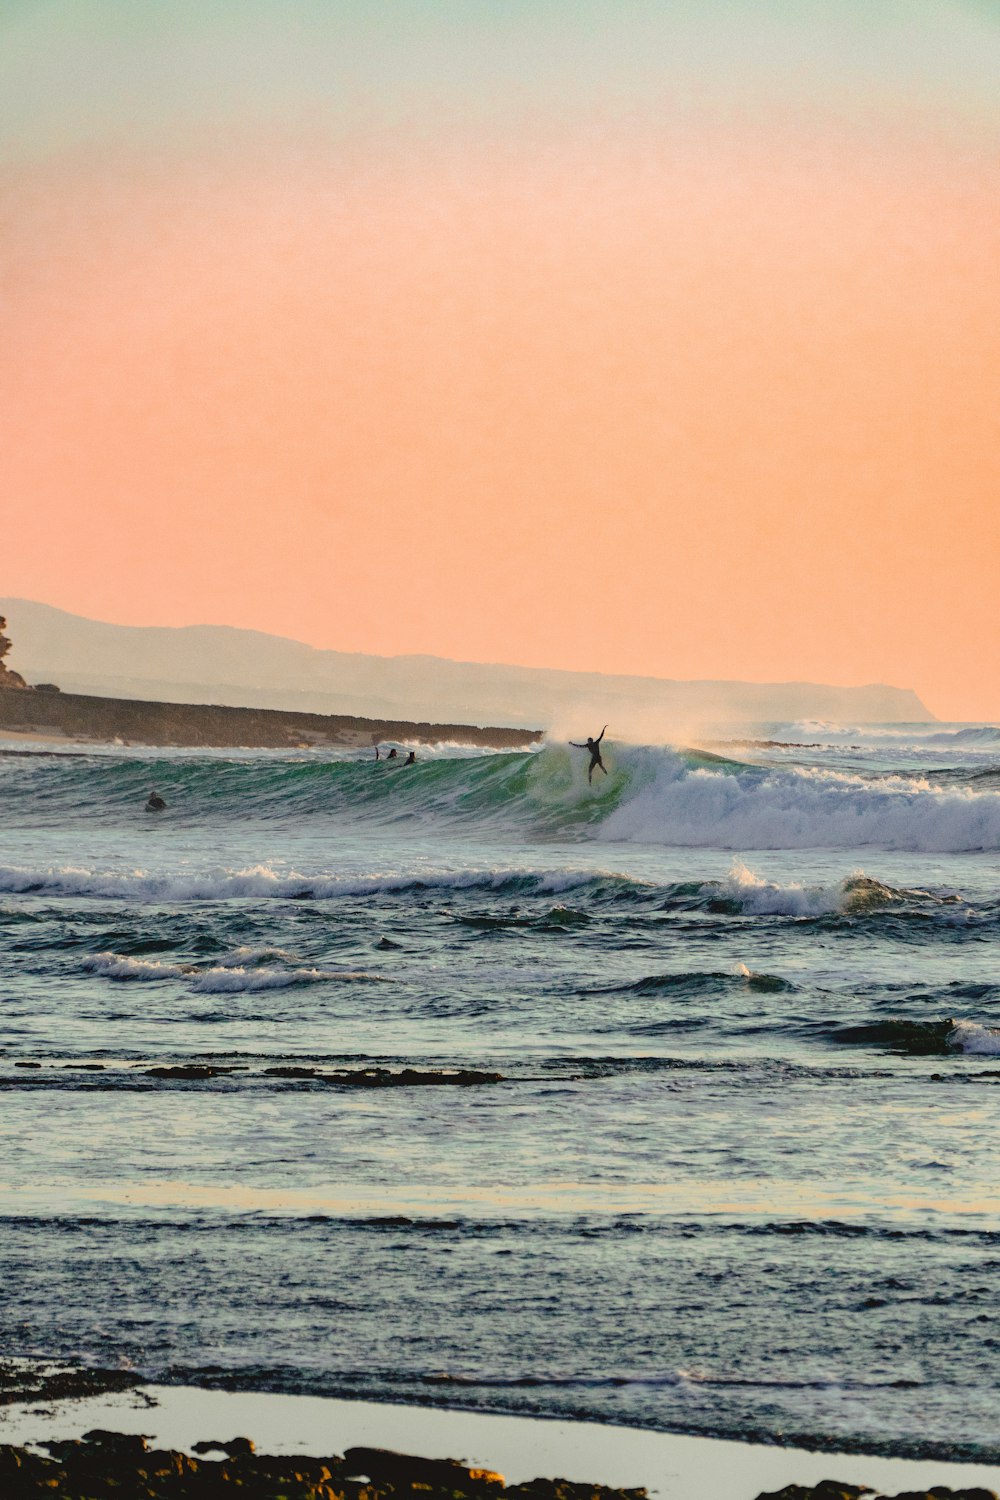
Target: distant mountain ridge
x: 222, y: 664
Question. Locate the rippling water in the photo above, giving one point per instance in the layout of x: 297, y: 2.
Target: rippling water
x: 669, y: 1101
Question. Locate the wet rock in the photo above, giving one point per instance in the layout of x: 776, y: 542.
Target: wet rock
x: 942, y: 1492
x: 827, y: 1489
x: 566, y: 1489
x: 387, y: 1078
x: 290, y: 1072
x: 382, y: 1465
x: 121, y: 1444
x: 238, y: 1447
x: 185, y: 1070
x: 50, y: 1382
x: 831, y: 1489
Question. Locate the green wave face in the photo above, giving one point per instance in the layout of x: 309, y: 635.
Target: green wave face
x: 545, y: 792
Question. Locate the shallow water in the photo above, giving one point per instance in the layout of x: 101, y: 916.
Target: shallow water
x: 738, y: 1171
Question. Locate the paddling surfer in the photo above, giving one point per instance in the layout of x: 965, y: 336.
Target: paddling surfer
x: 594, y: 746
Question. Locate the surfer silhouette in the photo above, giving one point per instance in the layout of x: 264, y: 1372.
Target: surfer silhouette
x: 411, y: 759
x: 393, y: 754
x: 594, y: 746
x: 155, y: 803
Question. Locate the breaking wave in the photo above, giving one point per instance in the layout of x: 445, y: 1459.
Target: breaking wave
x: 671, y: 802
x: 742, y: 893
x: 651, y: 796
x: 969, y: 1036
x: 921, y: 1038
x: 264, y: 882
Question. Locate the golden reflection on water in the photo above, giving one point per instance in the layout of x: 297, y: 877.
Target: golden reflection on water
x: 781, y: 1197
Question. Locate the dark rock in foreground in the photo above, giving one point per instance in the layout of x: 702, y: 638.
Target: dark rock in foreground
x: 832, y: 1489
x: 121, y: 1464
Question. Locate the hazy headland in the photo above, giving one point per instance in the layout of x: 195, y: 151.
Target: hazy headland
x: 220, y: 665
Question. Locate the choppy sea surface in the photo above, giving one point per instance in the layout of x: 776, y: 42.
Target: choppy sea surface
x: 670, y: 1101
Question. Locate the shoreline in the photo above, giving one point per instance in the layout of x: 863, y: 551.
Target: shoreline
x: 57, y: 718
x: 671, y: 1466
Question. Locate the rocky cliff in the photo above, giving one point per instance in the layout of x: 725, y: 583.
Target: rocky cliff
x: 76, y: 716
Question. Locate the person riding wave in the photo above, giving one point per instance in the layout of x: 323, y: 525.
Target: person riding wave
x: 594, y: 746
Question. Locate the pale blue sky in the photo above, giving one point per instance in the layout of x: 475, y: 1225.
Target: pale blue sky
x: 75, y: 73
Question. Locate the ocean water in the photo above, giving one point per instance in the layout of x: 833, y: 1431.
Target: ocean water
x: 669, y: 1101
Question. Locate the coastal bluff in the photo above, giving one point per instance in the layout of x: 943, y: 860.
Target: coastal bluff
x: 80, y: 717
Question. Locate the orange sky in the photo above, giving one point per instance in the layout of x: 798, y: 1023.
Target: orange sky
x: 691, y: 403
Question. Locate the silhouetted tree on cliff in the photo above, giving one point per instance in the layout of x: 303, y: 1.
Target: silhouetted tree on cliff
x: 7, y: 677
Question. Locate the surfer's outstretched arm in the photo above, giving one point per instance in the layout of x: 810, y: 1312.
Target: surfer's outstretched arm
x: 601, y: 735
x: 576, y: 746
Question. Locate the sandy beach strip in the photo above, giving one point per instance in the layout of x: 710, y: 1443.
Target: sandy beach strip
x: 674, y: 1467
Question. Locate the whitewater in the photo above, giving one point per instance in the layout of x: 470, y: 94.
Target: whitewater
x: 667, y: 1100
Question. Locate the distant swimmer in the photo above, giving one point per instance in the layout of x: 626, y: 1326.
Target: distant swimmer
x: 411, y: 759
x: 594, y: 746
x: 393, y: 753
x: 155, y: 803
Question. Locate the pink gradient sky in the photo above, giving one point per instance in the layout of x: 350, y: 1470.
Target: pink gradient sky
x: 695, y: 393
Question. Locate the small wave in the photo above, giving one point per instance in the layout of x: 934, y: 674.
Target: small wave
x: 745, y: 891
x: 695, y: 984
x: 919, y: 1038
x: 121, y: 966
x: 263, y: 882
x: 218, y: 980
x: 249, y: 958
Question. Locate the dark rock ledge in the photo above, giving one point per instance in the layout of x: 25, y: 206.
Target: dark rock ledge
x: 832, y: 1489
x: 123, y: 1465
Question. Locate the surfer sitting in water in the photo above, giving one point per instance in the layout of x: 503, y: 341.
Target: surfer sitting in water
x: 594, y: 746
x: 155, y: 803
x: 393, y: 753
x: 411, y: 759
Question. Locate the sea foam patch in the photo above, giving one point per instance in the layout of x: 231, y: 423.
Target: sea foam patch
x: 969, y: 1036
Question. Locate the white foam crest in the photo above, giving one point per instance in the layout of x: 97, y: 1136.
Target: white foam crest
x: 120, y: 966
x: 217, y: 980
x: 235, y: 980
x: 969, y: 1036
x: 796, y: 809
x: 244, y: 957
x: 765, y: 898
